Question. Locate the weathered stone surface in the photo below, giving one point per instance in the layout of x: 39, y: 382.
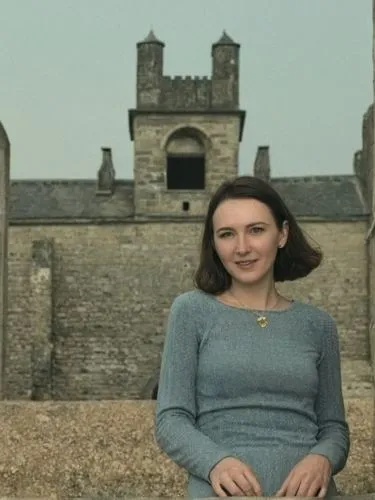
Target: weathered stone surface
x: 41, y: 319
x: 151, y: 133
x: 92, y: 449
x: 367, y: 164
x: 158, y: 91
x: 112, y: 289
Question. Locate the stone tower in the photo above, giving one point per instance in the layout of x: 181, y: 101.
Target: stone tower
x: 186, y: 131
x: 225, y: 73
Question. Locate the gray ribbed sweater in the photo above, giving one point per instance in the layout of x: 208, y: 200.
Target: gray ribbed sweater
x: 267, y: 396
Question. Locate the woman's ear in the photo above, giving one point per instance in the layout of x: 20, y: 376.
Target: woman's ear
x: 284, y: 234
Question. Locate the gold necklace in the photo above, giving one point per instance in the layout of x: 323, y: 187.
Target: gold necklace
x: 262, y: 319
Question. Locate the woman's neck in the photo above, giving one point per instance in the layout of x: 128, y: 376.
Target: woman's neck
x: 258, y: 296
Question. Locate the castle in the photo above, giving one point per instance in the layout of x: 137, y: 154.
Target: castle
x: 92, y: 266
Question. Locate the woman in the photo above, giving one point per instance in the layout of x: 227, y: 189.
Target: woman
x: 249, y: 399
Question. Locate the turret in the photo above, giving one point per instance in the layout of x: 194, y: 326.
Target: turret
x: 149, y: 71
x: 225, y: 73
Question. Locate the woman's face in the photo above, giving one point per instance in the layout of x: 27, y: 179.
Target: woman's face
x: 247, y: 239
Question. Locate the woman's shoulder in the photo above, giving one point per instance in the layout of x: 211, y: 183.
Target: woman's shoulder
x: 193, y: 301
x: 193, y: 297
x: 316, y: 314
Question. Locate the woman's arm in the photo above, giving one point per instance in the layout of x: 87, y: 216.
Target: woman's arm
x: 175, y: 429
x: 333, y: 436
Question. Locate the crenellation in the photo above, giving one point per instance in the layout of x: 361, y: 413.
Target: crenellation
x: 158, y: 91
x: 186, y: 93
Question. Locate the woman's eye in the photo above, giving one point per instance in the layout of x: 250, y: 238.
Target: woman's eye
x: 256, y: 229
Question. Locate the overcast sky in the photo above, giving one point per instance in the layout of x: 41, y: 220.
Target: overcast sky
x: 68, y: 77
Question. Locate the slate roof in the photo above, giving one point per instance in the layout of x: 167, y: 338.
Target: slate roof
x: 68, y: 199
x: 322, y: 196
x: 334, y: 197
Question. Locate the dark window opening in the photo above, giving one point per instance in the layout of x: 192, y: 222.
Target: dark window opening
x: 185, y: 206
x: 185, y: 172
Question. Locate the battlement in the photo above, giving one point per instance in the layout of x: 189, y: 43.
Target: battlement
x: 186, y: 92
x: 187, y: 78
x: 158, y: 91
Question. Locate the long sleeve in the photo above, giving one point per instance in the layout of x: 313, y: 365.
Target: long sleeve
x: 333, y: 437
x: 175, y: 429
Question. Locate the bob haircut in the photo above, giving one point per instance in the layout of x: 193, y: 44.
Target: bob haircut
x: 295, y: 260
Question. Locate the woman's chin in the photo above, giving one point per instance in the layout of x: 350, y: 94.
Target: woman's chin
x: 249, y: 276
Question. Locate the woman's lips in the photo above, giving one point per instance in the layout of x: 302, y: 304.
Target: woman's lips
x: 245, y: 264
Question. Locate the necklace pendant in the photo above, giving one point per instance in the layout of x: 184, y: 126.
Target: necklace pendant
x: 262, y: 321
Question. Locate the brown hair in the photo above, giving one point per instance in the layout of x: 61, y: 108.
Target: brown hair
x: 295, y: 260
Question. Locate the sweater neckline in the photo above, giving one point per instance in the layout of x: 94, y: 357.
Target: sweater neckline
x: 291, y: 307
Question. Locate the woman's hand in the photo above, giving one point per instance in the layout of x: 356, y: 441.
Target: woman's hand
x: 231, y: 477
x: 309, y: 478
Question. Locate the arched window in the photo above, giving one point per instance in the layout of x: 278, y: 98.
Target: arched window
x: 186, y: 160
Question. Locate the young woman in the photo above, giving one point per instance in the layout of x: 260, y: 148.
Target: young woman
x: 250, y: 400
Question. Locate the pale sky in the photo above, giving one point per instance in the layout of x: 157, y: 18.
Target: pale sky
x: 68, y: 70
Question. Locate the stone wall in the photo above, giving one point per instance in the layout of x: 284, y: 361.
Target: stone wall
x: 186, y: 92
x: 220, y: 135
x: 369, y: 158
x: 88, y: 303
x: 363, y: 159
x: 371, y: 233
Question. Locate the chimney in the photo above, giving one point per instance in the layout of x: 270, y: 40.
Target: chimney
x: 357, y: 163
x: 106, y: 173
x: 262, y: 168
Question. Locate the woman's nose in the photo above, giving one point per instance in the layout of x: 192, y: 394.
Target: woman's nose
x: 243, y: 245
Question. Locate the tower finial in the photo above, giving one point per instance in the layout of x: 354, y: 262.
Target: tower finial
x: 225, y: 39
x: 151, y: 38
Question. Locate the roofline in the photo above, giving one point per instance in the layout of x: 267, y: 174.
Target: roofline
x: 68, y: 181
x: 132, y: 113
x: 131, y: 181
x: 303, y: 178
